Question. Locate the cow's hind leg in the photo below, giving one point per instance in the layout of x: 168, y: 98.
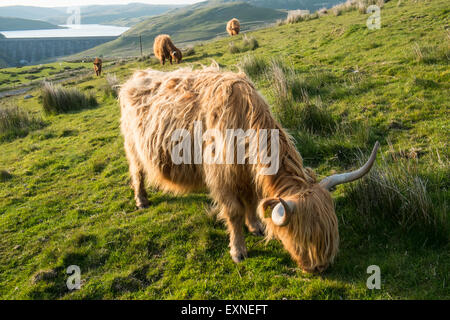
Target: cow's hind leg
x: 137, y: 178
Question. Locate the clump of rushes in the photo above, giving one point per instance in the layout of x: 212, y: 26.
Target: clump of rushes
x: 57, y: 99
x: 253, y: 65
x: 16, y: 122
x: 397, y: 191
x: 112, y: 85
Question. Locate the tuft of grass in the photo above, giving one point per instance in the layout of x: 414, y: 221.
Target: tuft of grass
x: 316, y: 119
x: 57, y: 99
x: 16, y: 122
x: 112, y: 85
x: 254, y: 66
x: 431, y: 54
x: 233, y: 48
x: 322, y: 12
x: 5, y: 176
x: 189, y: 51
x: 293, y: 105
x: 296, y: 16
x: 250, y: 43
x: 397, y: 191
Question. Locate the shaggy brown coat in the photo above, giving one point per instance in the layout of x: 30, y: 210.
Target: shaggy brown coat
x: 154, y: 104
x: 165, y: 49
x: 233, y: 27
x: 98, y: 66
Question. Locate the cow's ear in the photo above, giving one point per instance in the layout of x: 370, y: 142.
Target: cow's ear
x: 266, y: 206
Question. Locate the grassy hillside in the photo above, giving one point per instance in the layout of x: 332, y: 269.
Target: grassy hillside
x: 11, y: 78
x: 65, y: 197
x: 193, y: 23
x: 17, y: 24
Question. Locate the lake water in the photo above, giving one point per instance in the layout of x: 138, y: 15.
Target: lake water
x: 75, y: 31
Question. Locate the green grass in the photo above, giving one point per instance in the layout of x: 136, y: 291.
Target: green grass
x: 65, y: 197
x: 16, y: 122
x: 11, y: 78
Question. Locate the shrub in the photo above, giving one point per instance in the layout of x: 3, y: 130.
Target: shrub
x: 57, y: 99
x: 16, y: 122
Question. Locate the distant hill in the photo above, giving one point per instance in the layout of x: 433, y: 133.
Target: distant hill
x: 123, y: 15
x: 30, y: 12
x: 197, y: 22
x: 18, y: 24
x: 311, y: 5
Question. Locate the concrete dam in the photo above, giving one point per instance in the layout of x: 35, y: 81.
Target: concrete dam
x: 20, y: 51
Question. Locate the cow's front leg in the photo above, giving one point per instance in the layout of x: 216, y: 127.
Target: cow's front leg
x: 137, y: 182
x: 137, y: 178
x: 235, y: 225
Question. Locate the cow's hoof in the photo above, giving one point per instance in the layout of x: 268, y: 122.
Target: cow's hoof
x: 239, y: 256
x: 256, y: 229
x: 258, y: 233
x: 143, y: 204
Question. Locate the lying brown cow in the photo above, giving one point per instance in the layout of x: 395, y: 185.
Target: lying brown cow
x: 98, y: 66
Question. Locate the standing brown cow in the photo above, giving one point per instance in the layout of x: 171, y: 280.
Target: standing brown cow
x: 233, y: 27
x: 165, y: 49
x: 159, y: 109
x: 98, y: 66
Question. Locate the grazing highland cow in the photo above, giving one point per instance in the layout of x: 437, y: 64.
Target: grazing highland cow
x: 98, y: 66
x: 165, y: 49
x: 233, y: 27
x: 158, y: 108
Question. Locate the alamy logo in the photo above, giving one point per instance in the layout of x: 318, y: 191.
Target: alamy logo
x: 74, y: 281
x: 374, y: 20
x: 228, y: 149
x: 374, y: 281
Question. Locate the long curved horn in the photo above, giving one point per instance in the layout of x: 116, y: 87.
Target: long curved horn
x: 334, y: 180
x: 281, y: 214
